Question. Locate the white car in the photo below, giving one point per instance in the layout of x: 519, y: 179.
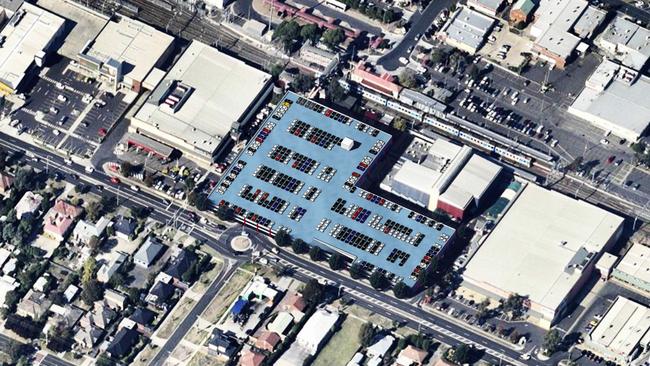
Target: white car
x: 135, y: 188
x: 62, y: 98
x: 604, y: 141
x: 89, y: 169
x: 56, y: 132
x: 54, y: 110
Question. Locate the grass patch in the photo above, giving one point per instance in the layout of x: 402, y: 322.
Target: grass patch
x: 380, y: 320
x: 202, y: 359
x: 226, y: 296
x: 342, y: 346
x: 182, y: 352
x: 206, y: 278
x: 177, y: 315
x: 144, y: 357
x: 196, y: 335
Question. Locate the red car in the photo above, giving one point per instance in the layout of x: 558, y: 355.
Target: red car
x: 611, y: 159
x: 115, y: 180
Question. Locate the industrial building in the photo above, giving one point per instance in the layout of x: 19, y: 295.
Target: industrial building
x: 626, y: 42
x: 123, y: 54
x: 489, y: 7
x: 634, y: 268
x: 622, y: 334
x: 26, y: 41
x: 438, y: 174
x: 199, y: 112
x: 561, y: 25
x: 466, y: 29
x: 613, y: 88
x: 543, y: 248
x: 317, y: 61
x: 303, y: 172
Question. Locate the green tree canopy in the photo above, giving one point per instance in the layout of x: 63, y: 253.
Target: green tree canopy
x: 332, y: 38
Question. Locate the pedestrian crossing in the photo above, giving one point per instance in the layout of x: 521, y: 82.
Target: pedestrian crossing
x: 620, y: 176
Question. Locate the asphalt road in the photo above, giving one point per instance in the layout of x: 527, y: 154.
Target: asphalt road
x: 50, y: 360
x: 420, y: 24
x: 190, y: 318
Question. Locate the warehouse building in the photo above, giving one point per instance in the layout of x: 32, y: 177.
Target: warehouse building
x: 123, y: 54
x: 489, y: 7
x: 634, y: 269
x: 561, y: 25
x: 544, y: 248
x: 626, y: 42
x: 304, y: 172
x: 199, y: 112
x: 613, y: 88
x: 437, y: 174
x: 622, y: 334
x: 466, y: 29
x: 28, y: 38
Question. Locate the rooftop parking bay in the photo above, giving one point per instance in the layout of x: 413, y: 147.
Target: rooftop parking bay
x: 302, y: 172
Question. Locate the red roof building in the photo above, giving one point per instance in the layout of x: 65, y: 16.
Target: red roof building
x: 384, y: 84
x: 6, y: 181
x: 251, y: 358
x: 268, y: 341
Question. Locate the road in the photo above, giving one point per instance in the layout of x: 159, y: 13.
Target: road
x: 50, y: 360
x: 420, y: 23
x: 190, y: 318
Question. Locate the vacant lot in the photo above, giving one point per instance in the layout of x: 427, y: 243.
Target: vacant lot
x: 342, y: 346
x: 226, y: 296
x: 178, y: 313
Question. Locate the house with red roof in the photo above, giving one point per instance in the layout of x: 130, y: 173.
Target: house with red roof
x: 268, y: 341
x: 6, y: 181
x: 59, y: 219
x: 384, y: 83
x: 251, y: 358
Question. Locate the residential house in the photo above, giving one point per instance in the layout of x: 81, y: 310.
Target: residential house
x: 411, y: 356
x: 70, y: 292
x: 34, y: 304
x: 379, y: 349
x: 317, y: 328
x: 100, y: 316
x: 268, y: 341
x: 6, y: 181
x: 123, y: 342
x: 142, y: 317
x: 115, y: 300
x: 59, y: 219
x: 28, y: 204
x: 108, y: 269
x: 148, y: 252
x: 84, y: 231
x: 281, y: 323
x: 87, y: 336
x: 41, y: 283
x: 251, y: 358
x: 294, y: 304
x: 222, y: 345
x: 124, y: 227
x: 67, y: 316
x: 7, y: 284
x: 160, y: 293
x: 179, y: 264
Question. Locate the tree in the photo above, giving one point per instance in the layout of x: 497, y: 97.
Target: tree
x: 299, y: 246
x: 88, y: 270
x: 126, y: 168
x: 315, y: 253
x: 104, y: 360
x: 282, y: 238
x: 427, y: 277
x: 336, y: 261
x: 313, y: 292
x: 438, y: 56
x: 202, y: 202
x: 93, y: 242
x: 552, y: 342
x: 399, y: 124
x: 378, y: 280
x: 94, y: 210
x: 287, y: 32
x: 356, y: 271
x: 16, y: 350
x: 149, y: 179
x: 225, y: 213
x: 333, y: 37
x: 514, y: 305
x: 407, y: 79
x: 473, y: 72
x: 335, y: 91
x: 302, y: 83
x: 461, y: 354
x: 639, y: 147
x: 401, y: 290
x: 276, y: 70
x: 367, y: 334
x: 311, y: 33
x: 92, y: 291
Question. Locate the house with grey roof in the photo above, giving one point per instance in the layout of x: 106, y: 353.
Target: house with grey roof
x: 148, y: 252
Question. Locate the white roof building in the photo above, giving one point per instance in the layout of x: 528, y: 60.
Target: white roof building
x: 28, y: 204
x: 489, y: 7
x: 317, y: 327
x: 439, y: 174
x: 26, y: 41
x: 608, y: 91
x: 627, y: 42
x: 542, y: 248
x: 621, y: 332
x: 634, y: 268
x: 7, y: 283
x: 466, y: 29
x: 194, y: 110
x: 124, y: 53
x: 85, y: 230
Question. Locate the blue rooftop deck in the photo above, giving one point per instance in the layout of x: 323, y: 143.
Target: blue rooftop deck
x: 296, y: 174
